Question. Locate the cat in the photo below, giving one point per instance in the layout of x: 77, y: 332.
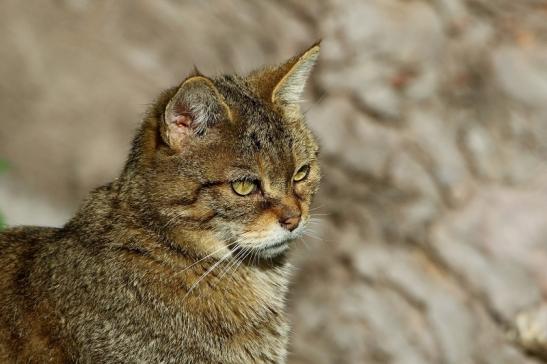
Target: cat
x: 183, y: 258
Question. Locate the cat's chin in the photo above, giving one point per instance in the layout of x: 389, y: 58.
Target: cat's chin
x: 273, y: 250
x: 276, y: 243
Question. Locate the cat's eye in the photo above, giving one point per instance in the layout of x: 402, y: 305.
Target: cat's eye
x: 244, y: 188
x: 301, y: 173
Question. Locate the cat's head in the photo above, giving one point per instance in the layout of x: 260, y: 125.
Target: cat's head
x: 229, y: 162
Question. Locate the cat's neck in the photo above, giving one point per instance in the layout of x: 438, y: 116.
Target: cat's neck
x: 224, y: 300
x: 226, y: 291
x: 106, y: 219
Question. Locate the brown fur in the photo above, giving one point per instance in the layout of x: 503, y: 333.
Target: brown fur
x: 124, y: 280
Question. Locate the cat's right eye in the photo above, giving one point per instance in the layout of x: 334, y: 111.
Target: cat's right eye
x: 244, y: 188
x: 302, y: 173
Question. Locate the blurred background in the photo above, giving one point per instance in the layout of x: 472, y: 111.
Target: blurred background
x: 432, y: 116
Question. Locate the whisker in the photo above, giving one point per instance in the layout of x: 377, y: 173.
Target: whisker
x: 322, y: 240
x: 207, y: 256
x: 314, y: 221
x: 231, y: 264
x: 205, y: 274
x: 255, y: 256
x: 313, y: 236
x: 304, y: 242
x: 236, y: 267
x: 239, y: 263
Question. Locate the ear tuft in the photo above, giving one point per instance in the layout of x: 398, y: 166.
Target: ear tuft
x: 196, y: 106
x: 284, y: 84
x: 196, y: 71
x: 291, y: 86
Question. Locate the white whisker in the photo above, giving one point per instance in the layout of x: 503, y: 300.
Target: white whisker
x: 205, y: 274
x: 240, y: 262
x: 207, y: 256
x: 236, y: 267
x: 316, y: 208
x: 313, y: 236
x: 313, y: 222
x: 231, y: 264
x: 304, y: 242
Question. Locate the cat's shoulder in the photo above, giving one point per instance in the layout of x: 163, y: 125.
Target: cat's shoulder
x: 16, y: 240
x: 27, y: 234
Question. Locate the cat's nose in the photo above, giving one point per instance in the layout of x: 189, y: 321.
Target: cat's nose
x: 290, y: 220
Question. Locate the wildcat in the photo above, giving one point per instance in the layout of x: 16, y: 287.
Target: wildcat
x: 183, y: 258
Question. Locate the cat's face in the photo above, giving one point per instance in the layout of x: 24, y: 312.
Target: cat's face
x: 238, y: 164
x: 268, y: 173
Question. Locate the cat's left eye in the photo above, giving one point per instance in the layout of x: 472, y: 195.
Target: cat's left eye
x: 244, y: 188
x: 301, y: 173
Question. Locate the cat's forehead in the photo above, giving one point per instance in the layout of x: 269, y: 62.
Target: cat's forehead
x: 242, y: 100
x: 265, y: 142
x: 258, y: 126
x: 260, y: 137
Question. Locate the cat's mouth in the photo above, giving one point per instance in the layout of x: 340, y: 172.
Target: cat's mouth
x: 273, y: 250
x: 270, y: 244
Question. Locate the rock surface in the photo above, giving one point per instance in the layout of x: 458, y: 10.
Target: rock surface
x: 433, y: 120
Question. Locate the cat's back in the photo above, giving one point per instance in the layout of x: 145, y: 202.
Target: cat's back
x: 19, y: 248
x: 18, y: 245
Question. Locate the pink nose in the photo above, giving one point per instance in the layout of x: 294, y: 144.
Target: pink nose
x: 290, y: 222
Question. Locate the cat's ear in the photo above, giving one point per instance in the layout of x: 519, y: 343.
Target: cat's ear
x: 196, y: 106
x: 284, y: 84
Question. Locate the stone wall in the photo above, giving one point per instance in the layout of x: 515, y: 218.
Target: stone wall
x: 432, y: 117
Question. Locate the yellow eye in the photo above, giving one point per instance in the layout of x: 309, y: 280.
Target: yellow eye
x: 301, y: 173
x: 243, y: 188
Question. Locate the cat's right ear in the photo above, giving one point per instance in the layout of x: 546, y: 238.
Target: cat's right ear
x: 196, y: 106
x: 284, y: 84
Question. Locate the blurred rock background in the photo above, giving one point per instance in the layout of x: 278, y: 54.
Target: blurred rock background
x: 432, y: 116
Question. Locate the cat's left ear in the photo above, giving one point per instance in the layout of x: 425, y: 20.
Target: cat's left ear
x: 284, y: 84
x: 196, y: 106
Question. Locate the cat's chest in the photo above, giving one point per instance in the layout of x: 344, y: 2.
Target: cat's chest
x: 237, y: 320
x: 240, y: 317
